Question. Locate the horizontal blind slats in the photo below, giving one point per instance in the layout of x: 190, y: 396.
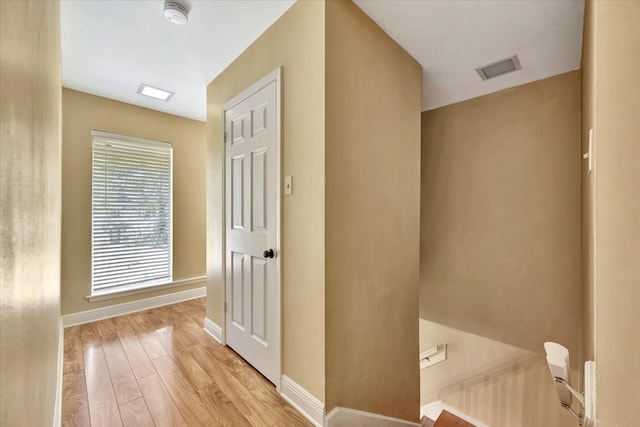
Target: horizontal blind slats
x: 131, y: 212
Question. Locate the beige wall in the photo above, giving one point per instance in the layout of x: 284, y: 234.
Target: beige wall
x: 588, y: 100
x: 29, y: 211
x: 372, y: 217
x: 81, y: 114
x: 495, y: 383
x: 500, y: 254
x: 295, y: 42
x: 613, y: 31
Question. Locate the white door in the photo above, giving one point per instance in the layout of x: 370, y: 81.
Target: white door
x: 251, y: 193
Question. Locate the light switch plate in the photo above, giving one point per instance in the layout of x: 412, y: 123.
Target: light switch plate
x: 288, y: 186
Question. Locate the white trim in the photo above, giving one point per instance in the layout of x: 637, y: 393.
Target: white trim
x: 213, y: 329
x: 142, y: 289
x: 434, y: 409
x: 346, y: 417
x: 131, y: 307
x: 57, y: 410
x: 275, y: 75
x: 303, y: 401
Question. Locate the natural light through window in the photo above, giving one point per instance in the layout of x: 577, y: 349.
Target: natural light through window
x: 131, y: 213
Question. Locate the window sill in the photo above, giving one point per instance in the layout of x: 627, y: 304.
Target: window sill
x: 143, y: 289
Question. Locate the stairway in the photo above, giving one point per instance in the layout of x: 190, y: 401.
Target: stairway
x: 446, y: 419
x: 426, y: 421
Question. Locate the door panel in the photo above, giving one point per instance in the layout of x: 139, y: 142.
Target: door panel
x: 237, y: 289
x: 258, y: 183
x: 252, y: 291
x: 237, y: 189
x: 258, y: 299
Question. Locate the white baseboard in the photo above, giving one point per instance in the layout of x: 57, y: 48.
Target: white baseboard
x: 310, y: 407
x: 131, y: 307
x: 57, y: 410
x: 346, y: 417
x: 434, y: 409
x: 213, y: 329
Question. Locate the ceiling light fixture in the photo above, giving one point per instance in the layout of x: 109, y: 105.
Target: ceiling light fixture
x: 499, y: 68
x: 154, y: 92
x: 175, y: 12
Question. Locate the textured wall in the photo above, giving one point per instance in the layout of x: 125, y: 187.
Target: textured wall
x: 29, y: 211
x: 500, y: 254
x: 82, y: 113
x: 372, y: 168
x: 613, y: 31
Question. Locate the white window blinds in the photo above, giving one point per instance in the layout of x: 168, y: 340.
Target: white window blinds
x: 131, y: 213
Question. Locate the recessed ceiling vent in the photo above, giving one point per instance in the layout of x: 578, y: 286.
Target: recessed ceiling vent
x: 499, y: 68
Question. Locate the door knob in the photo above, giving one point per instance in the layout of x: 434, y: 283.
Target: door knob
x: 268, y: 254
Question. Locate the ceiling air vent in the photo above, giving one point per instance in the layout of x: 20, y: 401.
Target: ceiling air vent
x: 499, y: 68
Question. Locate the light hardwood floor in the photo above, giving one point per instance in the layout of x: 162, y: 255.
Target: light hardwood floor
x: 159, y: 368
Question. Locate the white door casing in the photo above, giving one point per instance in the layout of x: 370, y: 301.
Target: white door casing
x: 252, y: 222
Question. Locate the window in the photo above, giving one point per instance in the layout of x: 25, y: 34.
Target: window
x: 131, y: 213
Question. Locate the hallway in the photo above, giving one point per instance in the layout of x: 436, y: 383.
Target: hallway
x: 159, y: 367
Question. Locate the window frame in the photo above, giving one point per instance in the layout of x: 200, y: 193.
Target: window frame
x: 146, y: 286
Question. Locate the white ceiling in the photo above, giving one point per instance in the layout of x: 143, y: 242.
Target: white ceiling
x: 450, y: 39
x: 110, y: 47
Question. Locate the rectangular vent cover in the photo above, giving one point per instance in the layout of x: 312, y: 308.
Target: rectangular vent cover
x: 499, y: 68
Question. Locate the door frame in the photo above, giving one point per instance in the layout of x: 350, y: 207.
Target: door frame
x: 275, y: 75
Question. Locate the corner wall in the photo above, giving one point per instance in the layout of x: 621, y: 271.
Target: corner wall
x: 30, y: 212
x: 500, y: 242
x: 587, y: 206
x: 372, y: 225
x: 612, y: 36
x: 81, y: 113
x: 295, y: 42
x: 500, y: 249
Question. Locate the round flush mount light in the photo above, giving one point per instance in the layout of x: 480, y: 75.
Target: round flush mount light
x: 176, y: 12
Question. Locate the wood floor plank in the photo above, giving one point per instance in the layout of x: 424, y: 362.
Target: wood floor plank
x: 164, y: 336
x: 264, y: 391
x: 252, y: 409
x: 196, y: 332
x: 219, y: 403
x: 89, y: 335
x: 136, y: 414
x: 141, y: 322
x: 152, y: 346
x: 73, y: 358
x: 75, y: 406
x: 103, y: 407
x: 192, y: 311
x: 138, y: 359
x: 145, y: 334
x: 159, y: 367
x: 123, y: 326
x: 107, y: 330
x: 192, y: 369
x: 161, y: 407
x: 124, y: 381
x: 174, y: 335
x: 184, y: 395
x: 447, y: 419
